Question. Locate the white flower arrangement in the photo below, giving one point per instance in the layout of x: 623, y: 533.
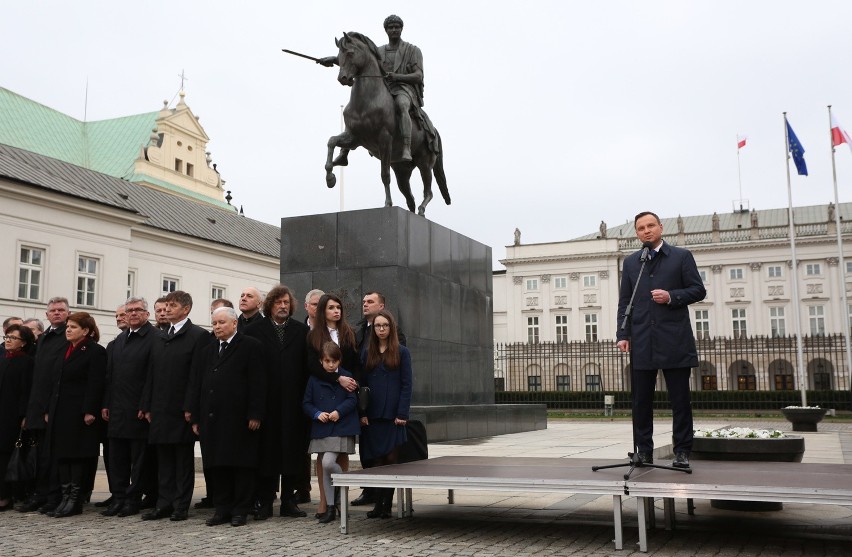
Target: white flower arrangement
x: 739, y: 433
x: 804, y: 407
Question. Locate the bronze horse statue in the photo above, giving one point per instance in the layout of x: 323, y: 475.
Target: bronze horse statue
x: 371, y: 122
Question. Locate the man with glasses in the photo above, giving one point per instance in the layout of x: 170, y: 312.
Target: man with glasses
x: 128, y: 358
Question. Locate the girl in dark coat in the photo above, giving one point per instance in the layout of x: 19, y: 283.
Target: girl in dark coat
x: 16, y: 370
x: 388, y: 374
x: 335, y: 422
x: 75, y: 403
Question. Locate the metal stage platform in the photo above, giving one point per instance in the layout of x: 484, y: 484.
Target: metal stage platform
x: 785, y: 482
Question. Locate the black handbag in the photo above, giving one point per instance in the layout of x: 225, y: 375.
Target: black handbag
x: 363, y: 398
x: 22, y: 463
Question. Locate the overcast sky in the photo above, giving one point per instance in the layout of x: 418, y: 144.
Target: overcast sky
x: 554, y: 115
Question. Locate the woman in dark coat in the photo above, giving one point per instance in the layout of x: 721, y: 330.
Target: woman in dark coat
x: 16, y: 371
x: 330, y: 325
x: 388, y: 374
x: 73, y: 418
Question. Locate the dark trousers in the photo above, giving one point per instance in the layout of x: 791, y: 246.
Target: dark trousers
x: 126, y: 462
x: 176, y: 474
x: 148, y: 482
x: 47, y: 479
x: 677, y: 384
x: 289, y: 484
x: 234, y: 493
x: 73, y: 470
x: 265, y: 488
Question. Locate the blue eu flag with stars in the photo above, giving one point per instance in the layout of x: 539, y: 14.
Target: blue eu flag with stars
x: 796, y: 151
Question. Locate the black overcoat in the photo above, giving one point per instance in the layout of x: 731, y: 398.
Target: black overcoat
x: 660, y: 334
x: 229, y: 389
x: 78, y: 389
x: 167, y: 385
x: 15, y: 381
x: 128, y: 362
x: 50, y: 346
x: 285, y: 434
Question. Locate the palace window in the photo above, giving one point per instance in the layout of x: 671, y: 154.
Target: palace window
x: 736, y: 273
x: 561, y: 328
x: 30, y: 272
x: 813, y: 269
x: 777, y: 322
x: 591, y: 322
x: 532, y: 330
x: 702, y: 324
x: 774, y: 271
x: 738, y: 322
x: 560, y: 283
x: 87, y: 279
x: 816, y: 318
x: 170, y: 284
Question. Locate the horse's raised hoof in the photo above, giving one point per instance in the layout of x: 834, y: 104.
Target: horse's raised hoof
x: 331, y: 180
x: 388, y: 203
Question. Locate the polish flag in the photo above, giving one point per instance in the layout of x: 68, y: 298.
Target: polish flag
x: 741, y: 141
x: 838, y: 134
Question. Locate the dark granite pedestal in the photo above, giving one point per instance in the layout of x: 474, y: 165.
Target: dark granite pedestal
x: 438, y: 284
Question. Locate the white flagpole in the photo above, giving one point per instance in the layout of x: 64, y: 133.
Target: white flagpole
x: 739, y: 174
x: 800, y: 360
x: 841, y: 264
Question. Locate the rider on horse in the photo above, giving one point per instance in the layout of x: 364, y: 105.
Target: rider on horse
x: 402, y: 63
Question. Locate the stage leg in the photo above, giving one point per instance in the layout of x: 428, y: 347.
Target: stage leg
x: 344, y: 509
x: 409, y: 506
x: 400, y: 502
x: 641, y: 513
x: 451, y: 496
x: 616, y: 518
x: 669, y: 513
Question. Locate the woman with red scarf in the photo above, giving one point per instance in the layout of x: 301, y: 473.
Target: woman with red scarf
x: 16, y: 371
x: 73, y: 414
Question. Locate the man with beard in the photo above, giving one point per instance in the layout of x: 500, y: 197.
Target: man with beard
x: 284, y: 437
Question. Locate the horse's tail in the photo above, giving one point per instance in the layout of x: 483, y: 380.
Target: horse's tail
x: 438, y: 170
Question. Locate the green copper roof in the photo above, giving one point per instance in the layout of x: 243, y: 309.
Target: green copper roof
x: 107, y: 146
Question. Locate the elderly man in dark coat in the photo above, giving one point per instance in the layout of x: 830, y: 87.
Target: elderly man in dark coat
x: 285, y: 435
x: 128, y: 360
x: 660, y: 334
x: 164, y: 405
x: 227, y: 404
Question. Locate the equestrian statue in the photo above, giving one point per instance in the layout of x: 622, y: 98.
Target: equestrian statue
x: 385, y: 114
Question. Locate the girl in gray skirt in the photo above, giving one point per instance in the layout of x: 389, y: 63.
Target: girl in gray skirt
x: 331, y: 409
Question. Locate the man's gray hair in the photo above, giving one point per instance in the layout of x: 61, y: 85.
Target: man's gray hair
x: 37, y: 321
x: 393, y: 19
x: 137, y: 300
x: 230, y: 312
x: 59, y: 300
x: 312, y: 293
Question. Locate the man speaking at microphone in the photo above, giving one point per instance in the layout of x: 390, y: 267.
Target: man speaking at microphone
x: 659, y: 333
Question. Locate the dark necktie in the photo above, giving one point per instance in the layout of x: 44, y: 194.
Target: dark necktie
x: 222, y: 346
x: 280, y: 330
x: 172, y: 331
x: 129, y: 334
x: 651, y: 255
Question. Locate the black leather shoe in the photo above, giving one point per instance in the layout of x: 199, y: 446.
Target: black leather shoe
x: 645, y: 458
x: 106, y: 503
x: 113, y: 509
x: 217, y: 519
x: 681, y: 461
x: 289, y: 508
x: 238, y: 520
x: 205, y: 503
x: 148, y: 502
x: 328, y: 516
x: 366, y: 498
x: 129, y: 509
x: 263, y: 512
x: 179, y: 515
x: 30, y: 505
x: 157, y: 514
x: 49, y: 507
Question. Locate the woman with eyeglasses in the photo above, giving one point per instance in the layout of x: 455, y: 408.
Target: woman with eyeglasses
x: 73, y: 417
x: 388, y: 374
x: 16, y: 371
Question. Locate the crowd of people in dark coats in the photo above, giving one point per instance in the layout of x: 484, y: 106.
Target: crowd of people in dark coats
x: 261, y: 392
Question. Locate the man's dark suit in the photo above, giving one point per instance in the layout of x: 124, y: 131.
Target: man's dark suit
x: 50, y: 347
x: 228, y: 390
x: 128, y: 361
x: 165, y: 397
x: 661, y: 337
x: 284, y: 434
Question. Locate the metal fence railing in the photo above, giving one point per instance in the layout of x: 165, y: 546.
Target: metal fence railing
x: 752, y: 372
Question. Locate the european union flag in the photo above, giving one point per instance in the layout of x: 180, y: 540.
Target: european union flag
x: 797, y: 151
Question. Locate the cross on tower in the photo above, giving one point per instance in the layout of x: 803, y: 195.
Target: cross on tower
x: 183, y: 78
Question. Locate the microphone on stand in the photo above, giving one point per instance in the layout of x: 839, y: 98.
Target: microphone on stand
x: 646, y: 248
